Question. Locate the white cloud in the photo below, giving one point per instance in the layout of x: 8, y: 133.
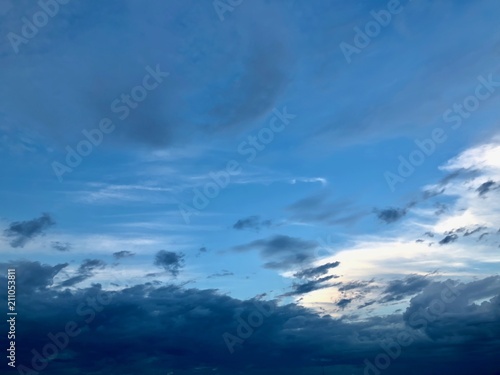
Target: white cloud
x: 397, y: 253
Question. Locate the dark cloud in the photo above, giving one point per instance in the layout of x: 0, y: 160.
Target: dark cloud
x: 201, y: 250
x: 441, y: 208
x: 184, y: 330
x: 89, y: 265
x: 252, y: 222
x: 428, y: 194
x: 354, y: 285
x: 450, y: 238
x: 123, y: 254
x: 366, y: 304
x: 171, y: 261
x: 470, y: 232
x: 72, y: 281
x: 21, y: 232
x: 311, y: 286
x: 316, y: 271
x: 343, y: 303
x: 182, y: 108
x: 486, y: 187
x: 468, y: 312
x: 399, y: 289
x: 282, y: 252
x: 32, y: 276
x: 224, y: 273
x: 482, y: 236
x: 461, y: 174
x: 391, y: 215
x: 84, y: 272
x: 60, y: 246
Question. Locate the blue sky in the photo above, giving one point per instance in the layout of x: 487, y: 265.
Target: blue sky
x: 384, y: 160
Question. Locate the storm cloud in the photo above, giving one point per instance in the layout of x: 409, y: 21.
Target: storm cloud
x: 170, y: 319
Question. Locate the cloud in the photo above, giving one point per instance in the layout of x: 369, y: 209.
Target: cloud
x: 486, y: 187
x: 391, y: 215
x: 399, y: 289
x: 32, y: 276
x: 310, y: 286
x: 201, y: 250
x: 473, y: 231
x: 85, y: 271
x: 72, y: 281
x: 171, y: 261
x: 282, y: 252
x: 366, y: 304
x: 450, y: 238
x: 170, y: 318
x: 224, y: 273
x: 475, y: 304
x: 123, y: 254
x: 252, y: 222
x: 344, y: 302
x: 483, y: 235
x: 22, y: 232
x: 182, y: 108
x: 398, y: 252
x: 316, y: 271
x: 89, y: 265
x: 60, y: 246
x: 354, y: 285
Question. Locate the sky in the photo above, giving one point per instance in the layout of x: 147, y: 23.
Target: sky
x: 251, y: 186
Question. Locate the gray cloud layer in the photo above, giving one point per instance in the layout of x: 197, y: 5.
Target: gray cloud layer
x: 184, y: 328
